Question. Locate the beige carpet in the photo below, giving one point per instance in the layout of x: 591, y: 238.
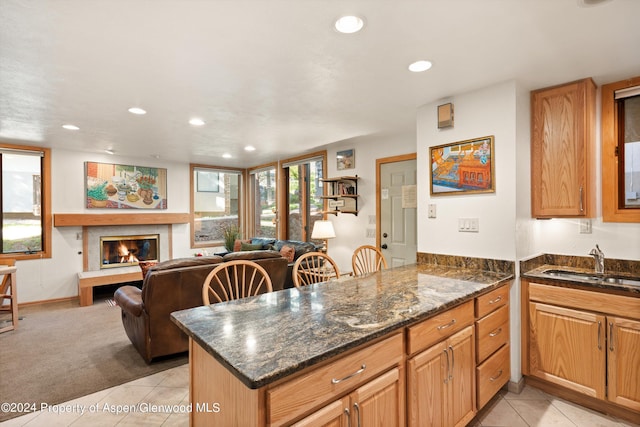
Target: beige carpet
x: 62, y: 351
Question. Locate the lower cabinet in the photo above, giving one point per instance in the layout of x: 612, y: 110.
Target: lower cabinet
x: 376, y: 403
x: 441, y: 382
x: 583, y: 341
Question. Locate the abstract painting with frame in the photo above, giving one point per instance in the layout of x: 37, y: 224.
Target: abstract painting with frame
x: 463, y: 167
x: 346, y: 159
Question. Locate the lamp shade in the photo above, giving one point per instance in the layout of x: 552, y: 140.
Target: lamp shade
x: 323, y: 229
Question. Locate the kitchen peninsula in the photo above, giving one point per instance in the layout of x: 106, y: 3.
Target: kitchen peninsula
x: 352, y: 349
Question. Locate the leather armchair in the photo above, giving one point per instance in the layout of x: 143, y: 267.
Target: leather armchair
x: 177, y: 285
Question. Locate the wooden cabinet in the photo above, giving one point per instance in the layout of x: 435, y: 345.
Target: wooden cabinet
x: 441, y: 382
x: 377, y: 403
x: 342, y: 194
x: 583, y: 341
x: 563, y: 150
x: 493, y: 366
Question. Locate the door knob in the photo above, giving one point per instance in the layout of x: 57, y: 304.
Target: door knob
x: 384, y: 246
x: 385, y: 235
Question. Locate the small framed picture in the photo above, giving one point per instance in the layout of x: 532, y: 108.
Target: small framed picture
x: 346, y: 159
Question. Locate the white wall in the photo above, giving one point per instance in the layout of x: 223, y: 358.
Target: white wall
x: 490, y: 111
x: 56, y: 277
x: 351, y: 230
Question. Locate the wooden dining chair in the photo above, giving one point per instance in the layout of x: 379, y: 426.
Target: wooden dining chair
x: 367, y: 259
x: 234, y: 280
x: 314, y: 267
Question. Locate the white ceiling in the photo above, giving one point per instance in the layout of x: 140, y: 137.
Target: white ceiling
x: 274, y: 74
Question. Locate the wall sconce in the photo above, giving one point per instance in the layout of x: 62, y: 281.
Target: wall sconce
x: 323, y: 230
x: 445, y: 115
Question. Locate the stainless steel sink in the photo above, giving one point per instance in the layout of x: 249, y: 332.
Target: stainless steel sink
x: 592, y: 277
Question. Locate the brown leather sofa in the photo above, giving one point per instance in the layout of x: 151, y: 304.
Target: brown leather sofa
x: 177, y: 285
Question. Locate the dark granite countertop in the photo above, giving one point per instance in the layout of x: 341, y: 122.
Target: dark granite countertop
x: 587, y: 278
x: 274, y: 335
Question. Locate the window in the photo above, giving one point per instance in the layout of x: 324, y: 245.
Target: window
x: 304, y: 204
x: 621, y: 151
x: 264, y: 220
x: 215, y: 204
x: 26, y: 212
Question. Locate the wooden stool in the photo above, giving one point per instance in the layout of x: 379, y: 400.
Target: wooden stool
x: 8, y: 291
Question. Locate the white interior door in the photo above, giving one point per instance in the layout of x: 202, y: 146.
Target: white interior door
x: 398, y: 213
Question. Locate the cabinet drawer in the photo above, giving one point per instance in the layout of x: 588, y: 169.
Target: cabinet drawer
x: 441, y: 326
x: 318, y: 386
x: 486, y: 303
x: 492, y: 331
x: 598, y: 302
x: 493, y: 374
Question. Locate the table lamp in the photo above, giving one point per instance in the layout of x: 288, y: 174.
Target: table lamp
x: 323, y: 230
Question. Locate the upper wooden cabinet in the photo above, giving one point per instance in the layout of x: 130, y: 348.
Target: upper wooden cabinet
x: 563, y: 150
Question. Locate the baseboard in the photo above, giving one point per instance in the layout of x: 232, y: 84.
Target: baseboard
x: 47, y: 301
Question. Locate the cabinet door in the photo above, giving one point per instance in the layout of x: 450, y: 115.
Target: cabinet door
x: 461, y: 401
x: 335, y: 414
x: 562, y: 138
x: 379, y: 402
x: 567, y: 347
x: 624, y: 362
x: 427, y: 378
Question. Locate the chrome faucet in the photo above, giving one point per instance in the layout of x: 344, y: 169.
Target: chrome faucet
x: 598, y: 255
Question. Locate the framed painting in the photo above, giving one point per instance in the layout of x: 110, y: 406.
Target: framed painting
x: 114, y: 186
x: 346, y: 159
x: 463, y: 167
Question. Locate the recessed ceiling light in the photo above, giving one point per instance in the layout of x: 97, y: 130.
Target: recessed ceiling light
x: 226, y: 156
x: 109, y: 151
x: 71, y: 127
x: 349, y: 24
x: 420, y: 66
x: 196, y: 121
x: 249, y: 148
x: 137, y: 110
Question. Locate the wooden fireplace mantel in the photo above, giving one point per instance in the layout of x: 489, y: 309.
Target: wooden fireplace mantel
x: 87, y: 220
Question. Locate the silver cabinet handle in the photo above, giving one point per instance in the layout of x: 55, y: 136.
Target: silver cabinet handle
x: 493, y: 301
x: 492, y: 379
x: 357, y: 409
x: 496, y: 332
x: 358, y: 372
x: 581, y: 205
x: 453, y: 363
x: 446, y: 375
x: 348, y: 415
x: 441, y: 327
x: 599, y: 335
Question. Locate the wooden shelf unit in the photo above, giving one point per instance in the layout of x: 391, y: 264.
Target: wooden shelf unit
x: 344, y: 191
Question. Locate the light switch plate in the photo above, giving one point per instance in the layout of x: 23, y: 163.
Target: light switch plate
x: 371, y: 233
x: 585, y: 226
x: 468, y: 225
x: 432, y: 210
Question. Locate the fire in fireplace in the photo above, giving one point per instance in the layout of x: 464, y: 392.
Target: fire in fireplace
x: 124, y: 251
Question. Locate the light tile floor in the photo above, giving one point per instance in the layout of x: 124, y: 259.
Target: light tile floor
x: 162, y: 399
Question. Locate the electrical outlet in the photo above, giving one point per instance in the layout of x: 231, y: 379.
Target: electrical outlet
x: 371, y: 233
x: 585, y: 226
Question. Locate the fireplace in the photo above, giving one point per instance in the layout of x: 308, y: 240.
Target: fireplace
x: 124, y: 251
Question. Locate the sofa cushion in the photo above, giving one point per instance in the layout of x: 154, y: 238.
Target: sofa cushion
x: 251, y: 255
x: 301, y: 248
x: 186, y: 262
x: 250, y: 247
x: 264, y: 241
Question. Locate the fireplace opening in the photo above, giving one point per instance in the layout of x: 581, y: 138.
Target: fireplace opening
x: 124, y: 251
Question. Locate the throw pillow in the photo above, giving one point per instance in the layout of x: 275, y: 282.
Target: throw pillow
x: 145, y: 266
x: 288, y: 252
x: 250, y: 247
x: 238, y: 243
